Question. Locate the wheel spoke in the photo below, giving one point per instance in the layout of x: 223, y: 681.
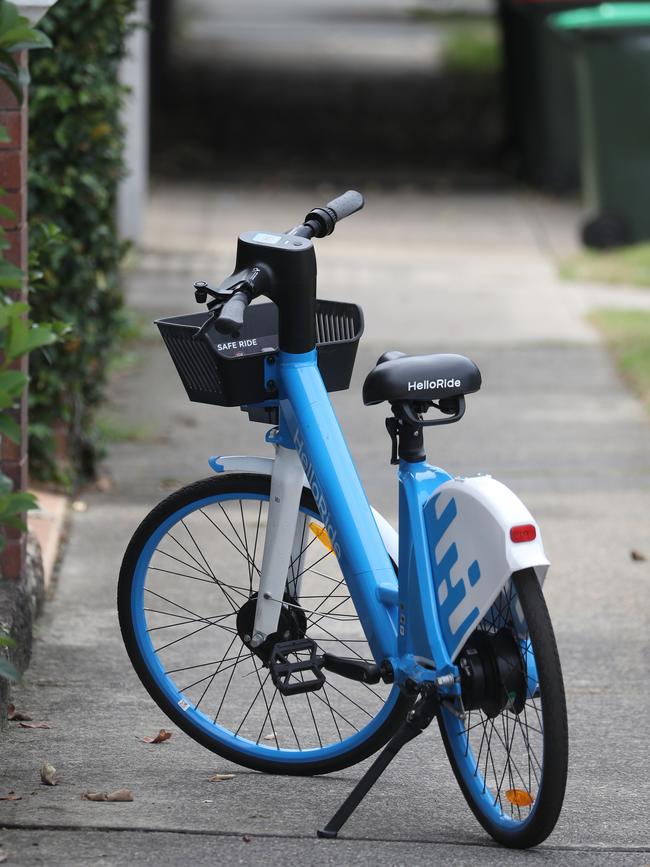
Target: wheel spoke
x: 215, y: 548
x: 230, y: 542
x: 503, y: 753
x: 213, y: 619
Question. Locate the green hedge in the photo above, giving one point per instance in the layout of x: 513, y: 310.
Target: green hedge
x: 18, y: 335
x: 76, y: 146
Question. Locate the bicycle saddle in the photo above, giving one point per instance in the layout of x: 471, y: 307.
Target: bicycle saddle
x: 398, y: 376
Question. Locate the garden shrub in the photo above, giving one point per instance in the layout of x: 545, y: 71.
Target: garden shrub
x: 76, y: 163
x: 18, y: 336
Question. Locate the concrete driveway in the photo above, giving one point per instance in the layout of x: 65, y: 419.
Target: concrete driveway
x: 466, y: 273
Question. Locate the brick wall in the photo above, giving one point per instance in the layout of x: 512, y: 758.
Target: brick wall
x: 13, y: 179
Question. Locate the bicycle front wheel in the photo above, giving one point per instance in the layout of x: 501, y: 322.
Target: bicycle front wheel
x: 186, y: 600
x: 510, y: 753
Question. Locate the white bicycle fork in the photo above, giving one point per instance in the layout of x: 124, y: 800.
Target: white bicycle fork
x: 285, y: 532
x: 283, y: 545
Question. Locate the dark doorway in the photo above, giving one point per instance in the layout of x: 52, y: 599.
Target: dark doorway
x: 361, y: 93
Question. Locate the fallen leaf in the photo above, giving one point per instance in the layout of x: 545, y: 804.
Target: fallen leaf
x: 33, y: 725
x: 120, y: 795
x: 218, y: 778
x: 637, y: 555
x: 270, y: 737
x: 246, y: 838
x: 94, y: 796
x: 79, y: 506
x: 48, y: 772
x: 11, y: 797
x: 160, y: 738
x: 3, y: 856
x: 16, y: 715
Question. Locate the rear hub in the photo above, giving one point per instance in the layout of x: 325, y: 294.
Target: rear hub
x: 492, y: 673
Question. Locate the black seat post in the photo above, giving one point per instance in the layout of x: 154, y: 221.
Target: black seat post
x: 407, y: 438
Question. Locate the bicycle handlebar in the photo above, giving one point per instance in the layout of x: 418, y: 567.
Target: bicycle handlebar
x: 254, y: 276
x: 320, y: 222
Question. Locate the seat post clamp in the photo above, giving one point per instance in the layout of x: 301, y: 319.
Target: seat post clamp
x: 392, y: 426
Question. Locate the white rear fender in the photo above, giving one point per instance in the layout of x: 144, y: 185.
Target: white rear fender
x: 472, y: 553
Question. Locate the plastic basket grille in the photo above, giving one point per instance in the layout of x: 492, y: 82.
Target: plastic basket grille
x: 332, y: 327
x: 195, y: 362
x: 229, y: 371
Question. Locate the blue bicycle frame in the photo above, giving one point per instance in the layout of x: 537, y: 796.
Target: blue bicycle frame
x: 400, y: 619
x: 419, y: 625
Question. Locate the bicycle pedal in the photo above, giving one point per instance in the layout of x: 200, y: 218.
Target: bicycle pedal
x: 288, y: 674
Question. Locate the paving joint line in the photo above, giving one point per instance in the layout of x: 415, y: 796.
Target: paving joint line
x: 197, y: 832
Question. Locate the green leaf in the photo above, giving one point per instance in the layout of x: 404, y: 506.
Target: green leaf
x: 15, y: 503
x: 16, y: 522
x: 9, y: 427
x: 9, y: 16
x: 11, y: 277
x: 7, y: 59
x: 12, y: 310
x: 5, y: 641
x: 23, y: 37
x: 13, y: 381
x: 8, y: 671
x: 12, y: 81
x: 21, y: 338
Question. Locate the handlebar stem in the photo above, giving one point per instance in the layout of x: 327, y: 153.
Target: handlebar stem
x: 283, y: 267
x: 288, y: 263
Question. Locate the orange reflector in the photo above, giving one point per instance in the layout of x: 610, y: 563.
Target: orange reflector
x: 519, y: 797
x: 321, y: 535
x: 523, y: 533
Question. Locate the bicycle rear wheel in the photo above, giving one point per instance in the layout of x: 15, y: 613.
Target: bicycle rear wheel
x: 510, y: 753
x: 186, y: 599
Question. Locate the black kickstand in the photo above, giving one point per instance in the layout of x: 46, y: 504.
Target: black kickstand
x: 418, y: 718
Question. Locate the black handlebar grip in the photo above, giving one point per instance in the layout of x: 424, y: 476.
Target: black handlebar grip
x: 348, y: 203
x: 231, y: 318
x: 321, y: 221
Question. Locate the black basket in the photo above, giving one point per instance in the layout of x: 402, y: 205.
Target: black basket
x: 229, y: 371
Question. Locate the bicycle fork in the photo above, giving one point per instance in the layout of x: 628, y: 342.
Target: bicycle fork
x: 283, y: 546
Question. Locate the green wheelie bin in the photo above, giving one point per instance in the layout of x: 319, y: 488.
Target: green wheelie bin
x: 611, y: 45
x: 540, y: 93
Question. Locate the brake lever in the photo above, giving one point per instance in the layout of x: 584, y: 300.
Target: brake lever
x: 210, y: 320
x: 220, y: 296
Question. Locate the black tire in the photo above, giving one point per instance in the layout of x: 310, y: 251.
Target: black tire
x: 206, y: 488
x: 535, y: 826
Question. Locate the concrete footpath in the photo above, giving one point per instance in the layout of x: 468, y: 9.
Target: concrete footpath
x: 464, y: 273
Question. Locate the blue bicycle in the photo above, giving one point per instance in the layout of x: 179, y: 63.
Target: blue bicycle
x: 280, y: 621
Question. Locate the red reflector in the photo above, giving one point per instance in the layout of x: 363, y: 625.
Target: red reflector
x: 523, y: 533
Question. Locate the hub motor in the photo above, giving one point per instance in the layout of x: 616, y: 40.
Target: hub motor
x: 292, y: 625
x: 492, y: 673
